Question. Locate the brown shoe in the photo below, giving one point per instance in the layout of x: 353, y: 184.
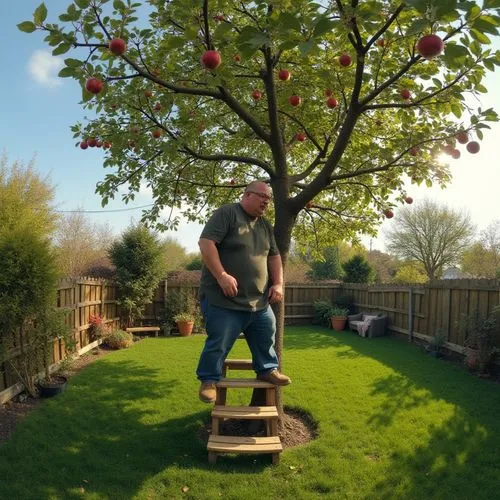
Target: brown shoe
x: 208, y: 393
x: 274, y: 377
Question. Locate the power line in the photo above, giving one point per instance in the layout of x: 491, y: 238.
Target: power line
x: 102, y: 211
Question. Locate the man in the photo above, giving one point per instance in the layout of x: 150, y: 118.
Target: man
x: 241, y: 276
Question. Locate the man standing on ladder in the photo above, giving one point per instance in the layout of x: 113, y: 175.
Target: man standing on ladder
x: 242, y: 274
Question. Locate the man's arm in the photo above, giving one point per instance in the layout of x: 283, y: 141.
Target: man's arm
x: 211, y: 259
x: 276, y: 275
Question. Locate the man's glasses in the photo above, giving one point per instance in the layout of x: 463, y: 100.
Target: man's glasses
x: 264, y: 196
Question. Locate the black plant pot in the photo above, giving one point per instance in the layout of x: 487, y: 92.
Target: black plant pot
x: 57, y: 384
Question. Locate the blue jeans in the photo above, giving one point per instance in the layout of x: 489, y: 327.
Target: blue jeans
x: 223, y: 327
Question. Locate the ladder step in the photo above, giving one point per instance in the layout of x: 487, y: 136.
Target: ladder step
x: 245, y: 412
x: 242, y: 383
x: 238, y: 364
x: 244, y: 444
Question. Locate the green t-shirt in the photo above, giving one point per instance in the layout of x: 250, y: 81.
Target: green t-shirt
x: 243, y: 243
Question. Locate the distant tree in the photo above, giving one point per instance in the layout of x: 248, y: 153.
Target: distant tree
x: 194, y: 264
x: 26, y: 199
x: 138, y: 258
x: 328, y: 268
x: 297, y: 270
x: 411, y: 272
x: 358, y: 270
x: 384, y: 265
x: 174, y: 254
x: 482, y: 259
x: 82, y: 246
x: 432, y: 234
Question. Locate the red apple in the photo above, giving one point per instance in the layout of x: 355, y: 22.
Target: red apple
x: 331, y: 102
x: 236, y: 58
x: 98, y: 144
x: 405, y: 94
x: 414, y: 151
x: 473, y: 147
x: 430, y: 46
x: 300, y: 137
x: 94, y: 85
x: 157, y: 107
x: 148, y: 93
x: 409, y: 200
x: 380, y: 42
x: 284, y: 75
x: 92, y: 142
x: 294, y: 100
x: 462, y: 137
x: 256, y: 95
x: 211, y: 59
x: 219, y: 18
x: 117, y: 46
x: 345, y: 60
x: 448, y: 149
x: 328, y: 93
x: 156, y: 133
x: 232, y: 182
x: 389, y: 213
x: 455, y: 154
x: 84, y: 145
x: 106, y: 145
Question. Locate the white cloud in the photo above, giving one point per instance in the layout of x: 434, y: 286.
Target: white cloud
x: 43, y: 67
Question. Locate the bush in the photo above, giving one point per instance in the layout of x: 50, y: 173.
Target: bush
x: 322, y: 310
x: 119, y: 339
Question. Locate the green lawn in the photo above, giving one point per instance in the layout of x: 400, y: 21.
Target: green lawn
x: 392, y: 422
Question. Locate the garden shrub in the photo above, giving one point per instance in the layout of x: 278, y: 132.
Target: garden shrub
x: 119, y: 339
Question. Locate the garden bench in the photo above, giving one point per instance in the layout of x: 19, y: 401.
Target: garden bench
x: 144, y: 329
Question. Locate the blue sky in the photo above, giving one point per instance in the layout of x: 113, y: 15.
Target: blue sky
x: 38, y: 109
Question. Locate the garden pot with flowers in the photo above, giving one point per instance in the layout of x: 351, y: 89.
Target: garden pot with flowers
x: 185, y: 323
x: 96, y: 327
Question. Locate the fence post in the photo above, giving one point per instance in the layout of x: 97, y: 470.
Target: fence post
x: 410, y: 314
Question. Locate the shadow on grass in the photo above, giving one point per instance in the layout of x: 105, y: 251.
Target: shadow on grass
x: 458, y: 456
x: 97, y: 438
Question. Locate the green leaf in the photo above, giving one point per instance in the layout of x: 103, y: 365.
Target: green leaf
x: 40, y: 14
x: 222, y: 30
x: 67, y: 72
x: 444, y: 7
x: 324, y: 25
x: 119, y: 5
x: 418, y: 26
x: 456, y: 110
x: 491, y: 4
x: 455, y: 55
x: 481, y: 88
x: 479, y: 36
x: 61, y: 49
x: 305, y: 47
x: 487, y: 24
x: 27, y: 26
x: 479, y: 135
x: 83, y: 4
x: 420, y: 5
x: 73, y: 63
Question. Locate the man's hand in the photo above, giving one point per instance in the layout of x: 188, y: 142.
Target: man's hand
x: 275, y: 294
x: 228, y: 284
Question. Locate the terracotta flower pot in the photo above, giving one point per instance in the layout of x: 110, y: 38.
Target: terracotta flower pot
x: 338, y: 322
x: 185, y: 327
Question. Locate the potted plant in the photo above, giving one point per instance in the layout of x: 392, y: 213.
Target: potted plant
x: 185, y: 323
x: 338, y: 317
x: 478, y: 344
x: 322, y: 314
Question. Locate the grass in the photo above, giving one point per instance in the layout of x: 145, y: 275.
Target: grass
x: 393, y: 423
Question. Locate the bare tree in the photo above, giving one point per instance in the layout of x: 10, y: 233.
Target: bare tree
x: 82, y: 245
x: 432, y: 234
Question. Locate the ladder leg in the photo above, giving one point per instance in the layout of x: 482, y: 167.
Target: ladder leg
x: 221, y: 396
x: 215, y: 426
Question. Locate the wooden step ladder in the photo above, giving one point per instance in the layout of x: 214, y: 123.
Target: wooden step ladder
x: 218, y: 444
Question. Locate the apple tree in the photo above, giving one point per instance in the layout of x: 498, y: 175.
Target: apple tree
x: 335, y: 103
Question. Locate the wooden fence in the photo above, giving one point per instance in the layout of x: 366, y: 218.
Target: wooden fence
x: 83, y: 297
x: 416, y: 311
